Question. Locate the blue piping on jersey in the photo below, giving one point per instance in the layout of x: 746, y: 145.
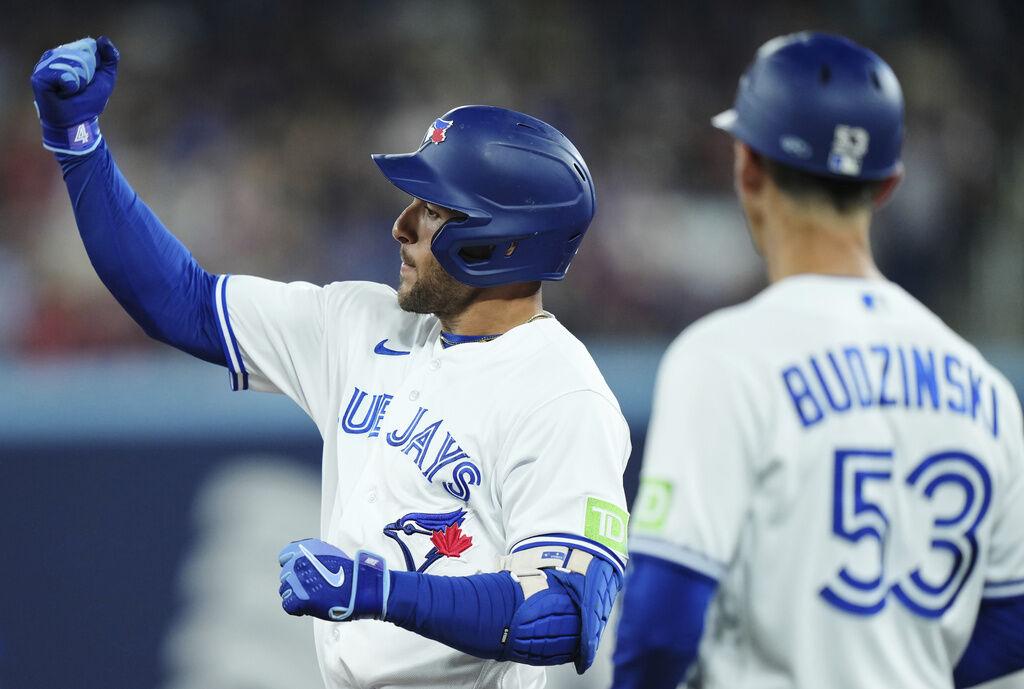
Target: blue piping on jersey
x: 229, y: 339
x: 450, y: 339
x: 584, y: 544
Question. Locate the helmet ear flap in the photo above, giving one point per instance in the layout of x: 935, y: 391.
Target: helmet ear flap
x: 572, y: 246
x: 479, y: 253
x: 506, y: 257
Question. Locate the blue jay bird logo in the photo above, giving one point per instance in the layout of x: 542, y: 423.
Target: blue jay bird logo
x: 442, y: 530
x: 436, y: 133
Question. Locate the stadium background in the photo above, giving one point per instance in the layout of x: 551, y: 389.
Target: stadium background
x: 142, y: 503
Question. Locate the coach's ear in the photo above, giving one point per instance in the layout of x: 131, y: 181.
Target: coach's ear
x: 886, y: 188
x: 748, y: 171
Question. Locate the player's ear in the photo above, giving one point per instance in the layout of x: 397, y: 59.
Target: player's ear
x: 886, y: 189
x: 748, y: 169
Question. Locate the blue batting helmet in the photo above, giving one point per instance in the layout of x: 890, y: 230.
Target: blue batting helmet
x: 522, y: 185
x: 821, y: 104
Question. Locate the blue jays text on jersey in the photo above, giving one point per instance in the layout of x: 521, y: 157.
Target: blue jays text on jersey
x: 415, y: 438
x: 884, y: 375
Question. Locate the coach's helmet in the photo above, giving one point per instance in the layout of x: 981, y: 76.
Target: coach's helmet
x: 524, y: 188
x: 821, y: 104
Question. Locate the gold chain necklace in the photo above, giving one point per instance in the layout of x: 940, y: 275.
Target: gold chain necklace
x: 488, y: 338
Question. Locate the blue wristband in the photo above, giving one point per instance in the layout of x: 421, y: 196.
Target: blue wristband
x: 79, y: 139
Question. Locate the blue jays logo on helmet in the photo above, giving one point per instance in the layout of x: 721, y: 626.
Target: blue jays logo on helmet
x: 425, y: 537
x: 821, y: 104
x: 436, y: 132
x: 522, y: 191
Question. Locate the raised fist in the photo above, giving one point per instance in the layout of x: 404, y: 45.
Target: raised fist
x: 72, y: 84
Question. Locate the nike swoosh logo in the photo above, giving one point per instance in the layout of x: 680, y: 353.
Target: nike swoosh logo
x: 381, y: 349
x: 335, y: 579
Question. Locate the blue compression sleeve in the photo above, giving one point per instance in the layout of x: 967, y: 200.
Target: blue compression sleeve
x: 996, y: 647
x: 662, y: 622
x: 470, y: 614
x: 486, y: 615
x: 150, y: 273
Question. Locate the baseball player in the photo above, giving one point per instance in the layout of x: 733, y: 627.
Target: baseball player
x: 832, y: 492
x: 473, y: 509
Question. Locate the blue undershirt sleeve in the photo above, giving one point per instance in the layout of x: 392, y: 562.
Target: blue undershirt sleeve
x: 662, y: 622
x: 470, y: 614
x: 996, y: 647
x: 150, y: 273
x: 487, y: 616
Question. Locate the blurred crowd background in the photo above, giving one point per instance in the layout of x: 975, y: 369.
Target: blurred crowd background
x: 153, y: 502
x: 248, y: 126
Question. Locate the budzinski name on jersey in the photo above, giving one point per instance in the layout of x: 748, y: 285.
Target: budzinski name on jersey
x: 414, y: 438
x: 881, y: 375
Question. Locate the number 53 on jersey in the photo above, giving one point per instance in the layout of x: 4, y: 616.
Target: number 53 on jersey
x: 956, y: 489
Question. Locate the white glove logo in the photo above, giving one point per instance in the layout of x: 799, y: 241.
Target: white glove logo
x: 335, y: 579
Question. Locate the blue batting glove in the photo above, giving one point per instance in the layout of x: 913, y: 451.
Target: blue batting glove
x: 72, y: 84
x: 318, y: 579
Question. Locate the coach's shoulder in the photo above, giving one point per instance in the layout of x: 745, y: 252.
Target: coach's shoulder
x: 727, y: 328
x: 726, y: 344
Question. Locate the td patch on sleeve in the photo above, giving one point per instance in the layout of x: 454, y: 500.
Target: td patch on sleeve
x: 652, y: 503
x: 606, y: 523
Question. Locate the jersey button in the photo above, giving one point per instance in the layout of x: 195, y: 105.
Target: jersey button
x: 414, y: 395
x: 372, y: 496
x: 434, y: 365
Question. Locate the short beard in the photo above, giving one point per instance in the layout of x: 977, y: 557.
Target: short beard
x: 437, y: 292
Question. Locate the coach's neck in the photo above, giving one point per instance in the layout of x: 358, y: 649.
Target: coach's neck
x: 806, y: 236
x: 496, y: 310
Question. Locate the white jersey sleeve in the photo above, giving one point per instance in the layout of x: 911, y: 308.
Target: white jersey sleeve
x: 562, y: 478
x: 276, y: 335
x: 697, y: 474
x: 1004, y: 574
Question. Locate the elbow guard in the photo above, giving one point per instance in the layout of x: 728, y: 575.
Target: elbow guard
x: 565, y: 606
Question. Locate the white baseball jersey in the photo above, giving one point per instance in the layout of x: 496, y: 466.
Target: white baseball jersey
x: 852, y: 473
x: 441, y: 460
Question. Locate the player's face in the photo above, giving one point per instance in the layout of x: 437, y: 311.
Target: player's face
x: 424, y: 286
